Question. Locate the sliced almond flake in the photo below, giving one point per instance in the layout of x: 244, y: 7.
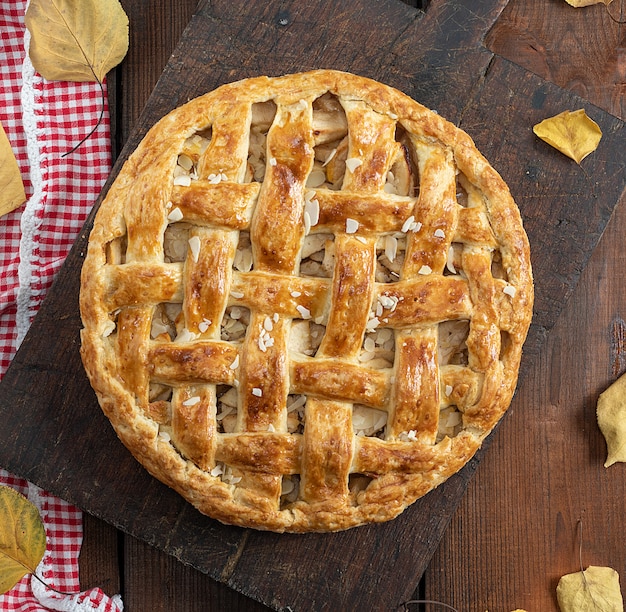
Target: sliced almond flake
x: 352, y: 225
x: 267, y: 324
x: 439, y: 233
x: 194, y: 245
x: 330, y: 156
x: 214, y: 179
x: 275, y: 317
x: 257, y: 392
x: 295, y: 294
x: 204, y: 325
x: 261, y: 344
x: 369, y: 345
x: 366, y: 356
x: 391, y: 247
x: 182, y: 181
x: 312, y: 208
x: 319, y: 320
x: 372, y: 324
x: 175, y: 215
x: 185, y: 336
x: 165, y: 436
x: 450, y: 261
x: 510, y: 290
x: 361, y: 239
x: 352, y: 163
x: 305, y: 313
x: 109, y: 328
x: 218, y: 470
x: 223, y: 177
x: 273, y: 161
x: 425, y: 270
x: 235, y: 364
x: 192, y: 401
x: 448, y: 390
x: 271, y: 428
x: 406, y: 226
x: 307, y: 222
x: 236, y: 294
x: 236, y: 313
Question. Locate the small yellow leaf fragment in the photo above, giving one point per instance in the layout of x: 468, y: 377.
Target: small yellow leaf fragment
x: 11, y: 187
x: 580, y: 3
x: 611, y: 415
x: 571, y: 132
x: 76, y: 40
x: 594, y: 590
x: 22, y: 538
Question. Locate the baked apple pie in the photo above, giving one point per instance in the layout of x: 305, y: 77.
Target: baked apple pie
x: 304, y: 301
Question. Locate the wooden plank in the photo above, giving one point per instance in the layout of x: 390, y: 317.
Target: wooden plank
x: 516, y: 531
x: 439, y: 59
x: 99, y: 557
x: 582, y: 51
x: 155, y: 27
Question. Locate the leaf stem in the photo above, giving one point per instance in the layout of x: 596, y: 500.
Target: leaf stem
x: 96, y: 126
x: 51, y: 588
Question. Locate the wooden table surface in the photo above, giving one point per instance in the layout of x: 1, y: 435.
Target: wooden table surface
x: 524, y: 519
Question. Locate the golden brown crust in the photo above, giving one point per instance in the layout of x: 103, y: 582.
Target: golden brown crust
x: 299, y: 392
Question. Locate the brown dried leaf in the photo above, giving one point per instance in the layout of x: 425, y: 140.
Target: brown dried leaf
x: 611, y: 414
x: 580, y: 3
x: 11, y: 187
x: 22, y: 538
x: 594, y: 590
x: 572, y: 133
x: 76, y: 40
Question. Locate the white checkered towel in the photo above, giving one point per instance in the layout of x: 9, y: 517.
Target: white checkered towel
x: 43, y: 121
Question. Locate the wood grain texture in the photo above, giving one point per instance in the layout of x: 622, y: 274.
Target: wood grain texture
x: 437, y: 58
x: 516, y: 530
x: 583, y: 50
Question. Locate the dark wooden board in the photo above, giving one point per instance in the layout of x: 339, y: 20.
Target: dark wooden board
x: 55, y: 435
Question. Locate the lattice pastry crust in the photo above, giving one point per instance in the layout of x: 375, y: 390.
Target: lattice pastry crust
x: 304, y: 301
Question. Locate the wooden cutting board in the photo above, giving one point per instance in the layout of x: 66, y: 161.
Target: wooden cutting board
x: 53, y: 432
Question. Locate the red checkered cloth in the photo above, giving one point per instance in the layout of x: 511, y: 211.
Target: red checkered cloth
x: 43, y: 121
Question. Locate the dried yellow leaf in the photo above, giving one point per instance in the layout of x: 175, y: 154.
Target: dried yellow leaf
x: 579, y: 3
x: 22, y: 538
x: 572, y: 133
x: 76, y: 40
x: 611, y: 414
x: 11, y: 187
x: 594, y: 590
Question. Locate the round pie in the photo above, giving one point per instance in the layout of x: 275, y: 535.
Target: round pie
x: 304, y: 301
